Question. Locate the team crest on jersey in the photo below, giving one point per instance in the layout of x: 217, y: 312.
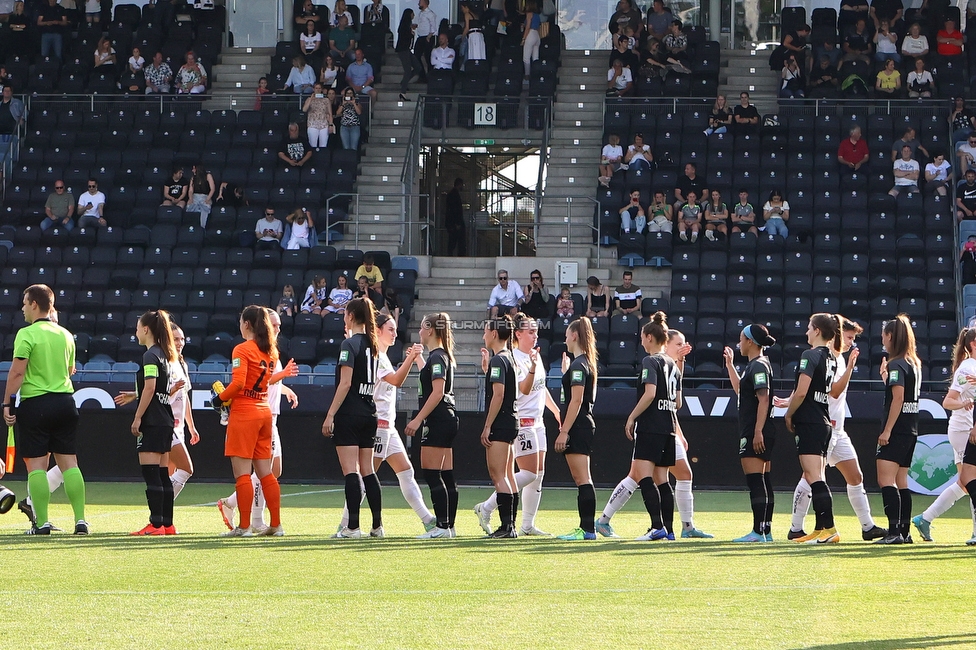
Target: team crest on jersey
x: 961, y: 381
x: 236, y: 363
x: 760, y: 380
x: 803, y: 364
x: 893, y: 376
x: 742, y: 443
x: 344, y: 356
x: 577, y: 375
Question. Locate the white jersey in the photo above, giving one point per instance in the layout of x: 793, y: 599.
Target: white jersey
x: 274, y: 392
x: 962, y: 419
x: 837, y: 408
x: 178, y: 401
x: 532, y: 405
x: 384, y: 393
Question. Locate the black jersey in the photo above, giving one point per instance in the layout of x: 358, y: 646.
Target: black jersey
x: 579, y: 374
x: 438, y: 366
x: 159, y: 413
x: 820, y: 365
x: 501, y: 370
x: 904, y: 374
x: 661, y: 417
x: 355, y: 353
x: 757, y: 376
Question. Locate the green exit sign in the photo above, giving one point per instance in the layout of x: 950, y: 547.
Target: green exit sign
x: 484, y: 143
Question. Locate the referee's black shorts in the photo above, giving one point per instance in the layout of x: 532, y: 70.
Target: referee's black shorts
x: 46, y: 424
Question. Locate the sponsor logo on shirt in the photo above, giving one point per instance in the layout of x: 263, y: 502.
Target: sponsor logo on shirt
x: 496, y: 373
x: 644, y: 374
x: 803, y: 364
x: 344, y: 356
x: 577, y: 375
x: 437, y: 369
x: 236, y: 363
x: 760, y: 380
x: 893, y: 376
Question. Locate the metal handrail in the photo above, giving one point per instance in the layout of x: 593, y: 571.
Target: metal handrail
x: 406, y: 234
x: 569, y: 222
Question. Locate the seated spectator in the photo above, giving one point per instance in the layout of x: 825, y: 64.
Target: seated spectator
x: 949, y: 40
x: 231, y: 195
x: 659, y: 20
x: 828, y: 49
x: 302, y: 226
x: 610, y: 160
x: 655, y: 61
x: 391, y: 304
x: 175, y: 191
x: 776, y: 213
x: 159, y: 76
x: 134, y: 77
x: 192, y: 77
x: 105, y: 55
x: 792, y: 82
x: 627, y: 297
x: 626, y: 15
x: 287, y: 304
x: 889, y: 11
x: 795, y: 43
x: 269, y: 232
x: 377, y: 17
x: 967, y: 261
x: 349, y: 113
x: 202, y: 190
x: 342, y: 41
x: 597, y: 303
x: 966, y: 196
x: 745, y: 116
x: 690, y: 181
x: 366, y: 292
x: 851, y: 11
x: 628, y: 58
x: 639, y: 155
x: 857, y: 44
x: 915, y: 45
x: 716, y: 216
x: 823, y: 80
x: 938, y: 175
x: 620, y: 81
x: 886, y: 44
x: 136, y: 63
x: 744, y: 215
x: 319, y: 124
x: 91, y: 207
x: 59, y: 208
x: 442, y: 57
x: 359, y: 76
x: 966, y: 152
x: 294, y: 150
x: 535, y: 300
x: 963, y: 120
x: 316, y: 300
x: 908, y: 138
x: 691, y: 217
x: 339, y: 297
x: 505, y: 297
x: 720, y: 117
x: 332, y: 74
x: 906, y: 172
x: 309, y: 13
x: 339, y: 12
x: 301, y: 77
x: 11, y: 116
x: 93, y: 11
x: 676, y: 45
x: 311, y: 43
x: 920, y: 81
x: 661, y: 214
x: 853, y: 151
x: 371, y: 272
x: 565, y: 307
x: 632, y: 214
x: 888, y: 81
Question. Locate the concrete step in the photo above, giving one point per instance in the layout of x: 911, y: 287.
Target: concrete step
x: 469, y: 262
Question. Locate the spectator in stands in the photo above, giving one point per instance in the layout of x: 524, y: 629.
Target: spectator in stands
x: 11, y: 116
x: 610, y: 159
x: 966, y: 152
x: 938, y: 175
x: 828, y: 49
x: 59, y: 208
x: 332, y: 74
x: 342, y: 41
x: 93, y: 11
x: 565, y: 307
x: 962, y: 120
x: 967, y: 261
x: 639, y: 155
x: 655, y: 61
x: 366, y: 292
x: 908, y: 138
x: 627, y: 297
x: 915, y: 44
x: 851, y: 11
x: 371, y: 272
x: 442, y: 57
x: 317, y: 297
x: 626, y: 15
x: 311, y: 43
x: 134, y: 77
x: 676, y: 45
x: 302, y: 226
x: 744, y: 215
x: 888, y: 81
x: 454, y: 223
x: 966, y: 196
x: 231, y: 195
x: 159, y: 76
x: 906, y: 171
x: 853, y: 151
x: 338, y: 297
x: 597, y: 299
x: 340, y: 11
x: 690, y: 181
x: 192, y: 77
x: 425, y: 30
x: 623, y: 53
x: 886, y: 11
x: 776, y: 213
x: 404, y: 43
x: 268, y: 231
x: 52, y: 20
x: 472, y: 38
x: 530, y: 35
x: 620, y: 81
x: 104, y: 54
x: 19, y: 34
x: 294, y: 151
x: 745, y: 116
x: 857, y: 44
x: 950, y: 40
x: 287, y: 304
x: 661, y: 214
x: 260, y: 92
x: 349, y: 120
x: 307, y: 13
x: 716, y: 216
x: 920, y: 81
x: 823, y: 80
x: 795, y: 43
x: 506, y: 297
x: 175, y: 191
x: 720, y: 118
x: 792, y: 82
x: 318, y: 110
x: 391, y: 304
x: 632, y: 214
x: 659, y: 20
x: 886, y: 44
x: 359, y: 75
x: 535, y: 301
x: 691, y: 217
x: 91, y: 207
x: 301, y: 77
x: 202, y: 190
x: 377, y: 16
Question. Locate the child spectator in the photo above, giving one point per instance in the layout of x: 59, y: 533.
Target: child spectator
x: 372, y: 272
x: 565, y: 308
x: 613, y: 155
x: 315, y: 297
x: 261, y: 92
x: 286, y: 305
x: 339, y: 296
x: 301, y: 228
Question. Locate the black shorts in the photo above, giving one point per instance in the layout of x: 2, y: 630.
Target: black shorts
x: 812, y: 439
x: 580, y: 440
x: 440, y: 432
x: 657, y: 448
x: 900, y: 449
x: 354, y: 431
x: 746, y: 449
x: 507, y: 436
x: 154, y: 439
x: 46, y: 424
x: 969, y: 458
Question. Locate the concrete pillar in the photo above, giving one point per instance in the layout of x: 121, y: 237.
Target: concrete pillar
x: 714, y: 19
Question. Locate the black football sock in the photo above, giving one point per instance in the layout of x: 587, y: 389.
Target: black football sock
x: 768, y: 515
x: 154, y: 494
x: 438, y: 495
x: 374, y: 497
x: 906, y: 512
x: 823, y: 505
x: 168, y: 496
x: 652, y: 501
x: 505, y: 509
x: 354, y: 496
x: 891, y: 498
x: 452, y: 496
x: 515, y: 505
x: 757, y: 499
x: 586, y: 505
x: 667, y: 505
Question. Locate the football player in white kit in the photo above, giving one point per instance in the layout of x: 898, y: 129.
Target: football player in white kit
x: 531, y: 445
x: 276, y: 389
x: 840, y: 452
x: 959, y: 400
x: 181, y: 465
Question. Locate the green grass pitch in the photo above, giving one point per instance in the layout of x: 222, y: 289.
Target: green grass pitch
x: 306, y: 591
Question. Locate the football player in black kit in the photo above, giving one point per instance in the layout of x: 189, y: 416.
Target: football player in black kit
x: 501, y: 421
x: 756, y: 432
x: 896, y: 444
x: 355, y: 410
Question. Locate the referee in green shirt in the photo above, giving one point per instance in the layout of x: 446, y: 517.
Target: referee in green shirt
x: 44, y: 356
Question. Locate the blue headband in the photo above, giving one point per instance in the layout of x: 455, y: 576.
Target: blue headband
x: 747, y: 332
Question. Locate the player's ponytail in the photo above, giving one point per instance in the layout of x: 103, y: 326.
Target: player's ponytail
x: 829, y: 327
x: 440, y: 325
x: 264, y: 334
x: 586, y: 338
x: 657, y: 328
x: 364, y: 313
x: 758, y: 334
x: 961, y: 350
x: 160, y: 326
x: 902, y: 336
x: 504, y: 326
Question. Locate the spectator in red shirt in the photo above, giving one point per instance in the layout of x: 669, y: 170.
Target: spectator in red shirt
x: 950, y: 40
x: 852, y: 152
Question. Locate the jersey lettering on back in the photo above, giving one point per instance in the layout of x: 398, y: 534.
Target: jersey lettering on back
x: 904, y: 374
x: 820, y: 365
x: 661, y: 416
x: 579, y: 374
x: 355, y: 353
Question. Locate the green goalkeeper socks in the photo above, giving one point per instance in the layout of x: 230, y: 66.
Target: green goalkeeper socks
x: 40, y: 494
x: 74, y: 487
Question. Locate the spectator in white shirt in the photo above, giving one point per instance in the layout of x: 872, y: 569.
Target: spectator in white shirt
x: 442, y: 56
x: 915, y: 44
x: 906, y: 173
x: 938, y: 175
x: 424, y: 30
x: 91, y: 207
x: 505, y: 297
x: 639, y: 154
x: 620, y: 82
x: 920, y: 81
x: 268, y: 231
x: 612, y: 156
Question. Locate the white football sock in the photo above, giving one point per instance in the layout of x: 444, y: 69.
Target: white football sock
x: 531, y: 496
x: 231, y: 501
x: 618, y: 498
x: 945, y: 501
x: 684, y: 501
x: 344, y: 521
x: 413, y: 495
x: 522, y: 478
x: 972, y: 511
x: 54, y: 478
x: 802, y: 496
x: 257, y: 507
x: 859, y: 501
x: 179, y: 479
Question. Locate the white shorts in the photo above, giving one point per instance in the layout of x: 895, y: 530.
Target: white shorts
x: 275, y: 439
x: 679, y: 451
x: 531, y: 439
x: 179, y: 437
x: 958, y: 440
x: 387, y: 443
x: 840, y: 448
